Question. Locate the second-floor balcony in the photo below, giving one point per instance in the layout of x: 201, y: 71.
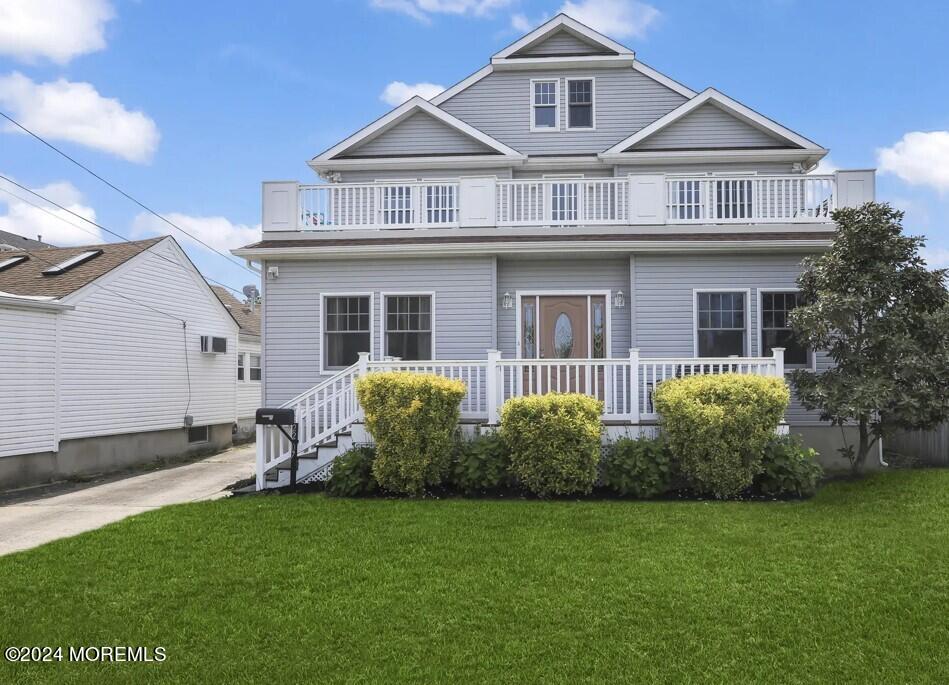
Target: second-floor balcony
x: 637, y: 199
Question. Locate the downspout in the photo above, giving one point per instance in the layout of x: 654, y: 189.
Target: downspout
x: 880, y: 452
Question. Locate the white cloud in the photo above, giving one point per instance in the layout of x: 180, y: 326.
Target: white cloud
x: 216, y: 231
x: 398, y: 92
x: 29, y: 221
x: 56, y: 30
x: 919, y: 158
x: 520, y: 22
x: 614, y: 18
x: 825, y: 166
x: 422, y: 10
x: 75, y: 111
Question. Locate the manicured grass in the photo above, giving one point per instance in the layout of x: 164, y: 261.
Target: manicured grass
x: 852, y: 586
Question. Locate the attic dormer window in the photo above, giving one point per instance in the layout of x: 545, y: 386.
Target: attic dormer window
x: 545, y: 95
x: 580, y: 103
x: 68, y: 264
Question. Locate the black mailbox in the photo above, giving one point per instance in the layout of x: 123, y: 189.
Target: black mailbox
x: 275, y: 417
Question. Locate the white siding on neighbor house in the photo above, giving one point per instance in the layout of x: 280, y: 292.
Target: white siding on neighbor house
x: 123, y: 365
x: 248, y: 391
x: 419, y: 134
x: 576, y: 274
x: 500, y: 105
x: 663, y: 317
x: 464, y: 311
x: 561, y: 43
x: 27, y: 380
x: 709, y: 127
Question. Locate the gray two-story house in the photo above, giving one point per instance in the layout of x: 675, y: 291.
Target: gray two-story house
x: 565, y: 218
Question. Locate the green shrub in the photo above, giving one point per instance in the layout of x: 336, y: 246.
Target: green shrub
x: 641, y: 468
x: 554, y: 441
x: 352, y: 473
x: 412, y: 417
x: 789, y: 469
x: 480, y: 465
x: 718, y: 426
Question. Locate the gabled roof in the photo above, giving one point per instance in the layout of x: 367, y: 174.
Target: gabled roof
x: 562, y: 23
x: 405, y: 110
x: 20, y: 242
x: 247, y: 319
x: 727, y: 104
x: 27, y: 277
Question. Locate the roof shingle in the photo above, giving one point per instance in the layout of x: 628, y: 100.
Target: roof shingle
x: 247, y: 319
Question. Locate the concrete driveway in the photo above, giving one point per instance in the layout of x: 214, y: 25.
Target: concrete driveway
x: 26, y: 523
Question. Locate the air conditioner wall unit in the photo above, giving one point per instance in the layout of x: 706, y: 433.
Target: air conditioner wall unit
x: 213, y: 345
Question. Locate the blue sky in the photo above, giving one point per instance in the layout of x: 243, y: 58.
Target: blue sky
x: 189, y: 106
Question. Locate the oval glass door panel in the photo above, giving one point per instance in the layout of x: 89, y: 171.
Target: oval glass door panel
x: 563, y: 337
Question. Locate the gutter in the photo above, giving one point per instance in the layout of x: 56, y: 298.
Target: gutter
x: 27, y: 302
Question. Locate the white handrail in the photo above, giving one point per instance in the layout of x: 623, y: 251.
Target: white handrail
x: 562, y: 202
x: 390, y: 204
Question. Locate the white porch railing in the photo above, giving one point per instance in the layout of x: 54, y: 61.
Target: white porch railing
x: 744, y: 199
x: 562, y: 202
x: 626, y: 387
x: 636, y: 199
x: 401, y: 204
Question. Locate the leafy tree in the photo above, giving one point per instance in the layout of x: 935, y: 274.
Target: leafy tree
x: 883, y: 317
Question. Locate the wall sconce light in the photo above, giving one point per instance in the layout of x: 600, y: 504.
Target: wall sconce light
x: 619, y: 299
x: 272, y: 272
x: 507, y: 301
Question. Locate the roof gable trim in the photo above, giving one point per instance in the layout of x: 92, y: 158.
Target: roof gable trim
x: 561, y: 22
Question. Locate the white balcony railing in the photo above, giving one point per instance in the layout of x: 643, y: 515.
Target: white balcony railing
x: 637, y: 199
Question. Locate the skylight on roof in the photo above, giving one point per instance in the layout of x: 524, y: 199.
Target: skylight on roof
x: 12, y: 261
x: 74, y: 261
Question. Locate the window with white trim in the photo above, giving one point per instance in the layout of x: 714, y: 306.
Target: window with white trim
x: 254, y: 367
x: 776, y: 328
x: 408, y: 326
x: 544, y: 96
x: 580, y: 103
x: 240, y: 366
x: 346, y: 330
x: 721, y: 328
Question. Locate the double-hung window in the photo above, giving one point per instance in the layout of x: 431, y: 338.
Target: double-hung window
x: 776, y: 327
x: 722, y: 326
x: 408, y: 326
x: 544, y: 109
x: 240, y: 366
x: 580, y: 108
x: 254, y: 367
x: 347, y: 329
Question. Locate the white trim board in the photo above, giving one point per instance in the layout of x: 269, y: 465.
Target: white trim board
x: 695, y: 316
x: 402, y: 112
x: 325, y: 370
x: 725, y: 103
x: 383, y: 352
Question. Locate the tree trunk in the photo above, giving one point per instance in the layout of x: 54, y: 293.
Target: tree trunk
x: 863, y: 448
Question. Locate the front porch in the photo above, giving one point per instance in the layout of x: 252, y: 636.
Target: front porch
x: 326, y: 413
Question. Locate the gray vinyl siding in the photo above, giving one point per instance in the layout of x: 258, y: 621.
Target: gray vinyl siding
x: 663, y: 300
x: 500, y: 106
x: 367, y: 176
x: 561, y: 43
x: 591, y: 172
x: 420, y: 134
x: 708, y: 127
x: 464, y: 311
x: 719, y: 168
x: 577, y: 274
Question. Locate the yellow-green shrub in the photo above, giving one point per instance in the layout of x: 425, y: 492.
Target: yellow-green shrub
x: 719, y: 425
x: 413, y: 418
x: 554, y: 441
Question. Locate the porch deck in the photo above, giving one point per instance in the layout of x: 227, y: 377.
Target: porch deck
x: 624, y: 385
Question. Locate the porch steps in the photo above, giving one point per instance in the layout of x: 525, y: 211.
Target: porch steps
x: 312, y: 466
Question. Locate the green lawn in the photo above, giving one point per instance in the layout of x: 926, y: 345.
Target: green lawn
x: 852, y: 586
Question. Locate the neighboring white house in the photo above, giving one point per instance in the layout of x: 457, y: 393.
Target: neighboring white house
x: 112, y: 355
x: 247, y: 315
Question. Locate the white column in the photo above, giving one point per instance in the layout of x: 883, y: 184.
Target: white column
x: 362, y: 370
x: 261, y: 456
x: 634, y: 385
x: 778, y: 353
x: 280, y: 204
x: 492, y: 387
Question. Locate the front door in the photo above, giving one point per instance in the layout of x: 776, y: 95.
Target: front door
x: 557, y: 327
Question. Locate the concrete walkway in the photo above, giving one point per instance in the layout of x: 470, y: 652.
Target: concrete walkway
x: 26, y: 523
